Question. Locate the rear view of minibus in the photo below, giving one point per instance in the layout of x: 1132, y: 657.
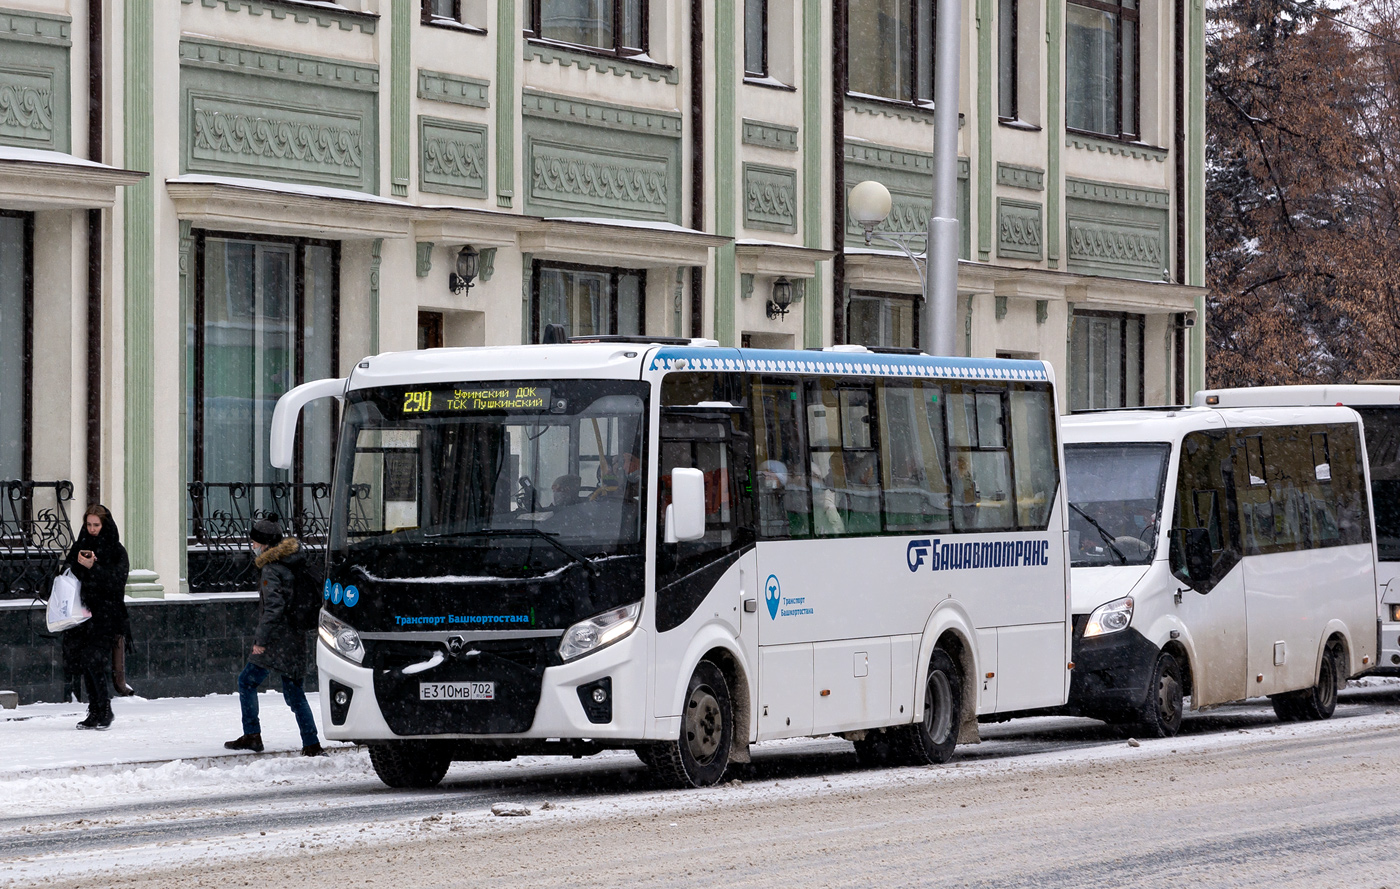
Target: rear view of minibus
x: 1217, y: 555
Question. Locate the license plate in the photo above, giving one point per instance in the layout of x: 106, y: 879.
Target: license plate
x: 456, y: 691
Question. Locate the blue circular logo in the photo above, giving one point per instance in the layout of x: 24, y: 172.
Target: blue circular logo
x: 352, y: 595
x: 327, y: 593
x: 772, y: 595
x: 337, y: 592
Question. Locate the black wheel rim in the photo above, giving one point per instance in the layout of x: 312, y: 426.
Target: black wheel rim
x: 938, y: 707
x: 1167, y: 695
x: 704, y: 725
x: 1327, y: 682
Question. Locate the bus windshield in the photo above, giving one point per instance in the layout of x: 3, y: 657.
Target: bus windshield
x: 1115, y: 499
x: 547, y: 464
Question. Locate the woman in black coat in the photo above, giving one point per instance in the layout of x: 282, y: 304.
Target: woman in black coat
x: 99, y: 561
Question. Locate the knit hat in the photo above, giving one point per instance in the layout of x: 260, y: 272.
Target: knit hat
x: 265, y: 531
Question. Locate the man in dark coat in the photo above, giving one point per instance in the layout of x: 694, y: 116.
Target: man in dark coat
x: 99, y: 561
x: 276, y: 644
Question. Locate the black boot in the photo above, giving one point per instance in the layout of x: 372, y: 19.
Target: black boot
x: 104, y: 721
x: 246, y: 742
x: 91, y: 721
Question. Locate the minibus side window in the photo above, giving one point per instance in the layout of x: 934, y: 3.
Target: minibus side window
x: 780, y: 485
x: 912, y: 447
x: 1204, y: 482
x: 1033, y: 453
x: 980, y: 473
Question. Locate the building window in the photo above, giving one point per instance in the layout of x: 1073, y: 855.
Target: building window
x: 1101, y: 67
x: 756, y: 38
x: 16, y: 333
x: 613, y: 26
x: 1007, y: 49
x: 890, y: 49
x: 1106, y: 361
x: 587, y: 300
x: 264, y: 320
x: 883, y: 320
x: 442, y: 11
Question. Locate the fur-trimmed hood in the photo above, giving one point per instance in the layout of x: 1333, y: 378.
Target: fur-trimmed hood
x: 287, y: 547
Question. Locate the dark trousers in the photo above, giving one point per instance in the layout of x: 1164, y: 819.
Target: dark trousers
x: 90, y: 653
x: 248, y: 682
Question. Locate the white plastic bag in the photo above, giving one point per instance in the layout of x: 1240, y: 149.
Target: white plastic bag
x: 66, y: 608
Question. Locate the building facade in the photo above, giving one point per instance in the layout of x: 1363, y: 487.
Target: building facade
x: 206, y: 202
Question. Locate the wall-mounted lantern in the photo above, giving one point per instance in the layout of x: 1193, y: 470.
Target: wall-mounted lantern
x: 461, y: 279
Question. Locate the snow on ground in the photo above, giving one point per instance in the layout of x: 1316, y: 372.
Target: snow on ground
x: 172, y: 749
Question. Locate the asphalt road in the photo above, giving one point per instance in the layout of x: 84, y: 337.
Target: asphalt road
x: 1231, y: 805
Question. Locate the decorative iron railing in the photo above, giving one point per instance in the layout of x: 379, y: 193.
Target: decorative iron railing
x: 220, y: 514
x: 35, y: 535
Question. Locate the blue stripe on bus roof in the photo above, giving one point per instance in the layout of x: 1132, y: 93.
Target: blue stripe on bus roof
x: 849, y: 363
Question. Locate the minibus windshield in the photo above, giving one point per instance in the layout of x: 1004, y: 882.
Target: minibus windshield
x: 1115, y: 499
x: 537, y: 464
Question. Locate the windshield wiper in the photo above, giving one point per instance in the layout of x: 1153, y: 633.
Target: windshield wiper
x: 1107, y: 538
x: 526, y: 532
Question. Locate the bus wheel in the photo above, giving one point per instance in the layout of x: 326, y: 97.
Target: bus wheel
x: 699, y: 757
x: 931, y: 741
x: 406, y: 764
x: 1161, y: 712
x: 1320, y: 701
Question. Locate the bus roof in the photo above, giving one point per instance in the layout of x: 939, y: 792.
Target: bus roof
x: 1153, y: 425
x: 1360, y: 394
x: 629, y: 360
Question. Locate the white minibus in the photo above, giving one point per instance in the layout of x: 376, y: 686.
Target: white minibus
x: 1217, y: 555
x: 1379, y: 407
x: 684, y: 550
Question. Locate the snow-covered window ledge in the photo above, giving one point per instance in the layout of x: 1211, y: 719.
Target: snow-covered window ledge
x: 278, y: 208
x: 32, y: 179
x: 626, y: 243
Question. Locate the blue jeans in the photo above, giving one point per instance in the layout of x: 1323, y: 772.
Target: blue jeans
x: 248, y: 682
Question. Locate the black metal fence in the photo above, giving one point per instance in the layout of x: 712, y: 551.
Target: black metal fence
x: 221, y: 513
x: 35, y: 535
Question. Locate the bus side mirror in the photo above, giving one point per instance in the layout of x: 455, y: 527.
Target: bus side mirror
x: 685, y: 517
x: 282, y: 443
x: 1194, y: 546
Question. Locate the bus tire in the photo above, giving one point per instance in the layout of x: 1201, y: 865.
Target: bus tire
x: 1320, y: 701
x: 700, y: 756
x: 931, y: 741
x: 406, y: 764
x: 1162, y: 711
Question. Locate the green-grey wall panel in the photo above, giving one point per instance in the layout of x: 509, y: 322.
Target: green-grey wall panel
x: 454, y: 88
x: 1116, y: 230
x: 1020, y: 231
x: 34, y: 80
x: 769, y: 135
x: 595, y: 159
x: 253, y: 112
x: 452, y: 157
x: 770, y: 198
x: 909, y: 177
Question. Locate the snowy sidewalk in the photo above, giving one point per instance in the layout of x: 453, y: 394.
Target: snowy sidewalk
x: 43, y: 738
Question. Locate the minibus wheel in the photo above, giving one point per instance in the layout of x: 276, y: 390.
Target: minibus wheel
x: 409, y: 764
x: 1320, y: 701
x: 1161, y: 712
x: 699, y: 757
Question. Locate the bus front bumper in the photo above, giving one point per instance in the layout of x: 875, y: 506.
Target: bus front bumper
x: 1111, y: 674
x: 559, y: 714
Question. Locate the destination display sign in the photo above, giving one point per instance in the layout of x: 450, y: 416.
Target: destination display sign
x: 466, y: 400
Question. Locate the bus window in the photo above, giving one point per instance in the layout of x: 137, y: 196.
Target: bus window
x: 1033, y: 455
x: 784, y: 499
x: 826, y: 468
x: 981, y: 464
x: 1204, y: 480
x: 862, y: 472
x: 915, y: 478
x: 1383, y: 451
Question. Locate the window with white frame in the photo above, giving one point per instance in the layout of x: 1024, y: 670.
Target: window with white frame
x: 588, y: 300
x: 611, y: 26
x: 1102, y: 67
x: 888, y: 320
x: 1106, y: 361
x: 890, y: 49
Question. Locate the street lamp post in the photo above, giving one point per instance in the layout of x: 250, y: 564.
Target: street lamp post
x: 869, y: 202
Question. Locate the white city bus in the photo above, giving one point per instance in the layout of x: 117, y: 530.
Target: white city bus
x: 1379, y: 407
x: 682, y: 549
x: 1220, y: 555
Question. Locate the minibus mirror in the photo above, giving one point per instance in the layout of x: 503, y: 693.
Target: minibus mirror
x: 685, y: 517
x: 1194, y: 546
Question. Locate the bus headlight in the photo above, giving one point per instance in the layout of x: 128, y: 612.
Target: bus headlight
x: 1110, y: 617
x: 341, y: 638
x: 598, y: 631
x: 1394, y: 612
